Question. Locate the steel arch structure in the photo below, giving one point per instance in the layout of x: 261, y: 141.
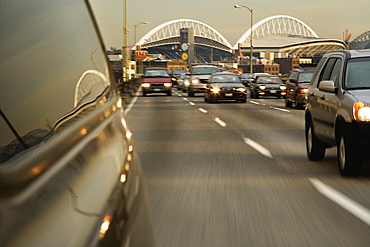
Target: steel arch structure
x: 361, y: 42
x: 278, y: 25
x: 169, y: 34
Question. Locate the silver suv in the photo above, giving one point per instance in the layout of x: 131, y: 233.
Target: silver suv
x: 338, y: 109
x: 199, y: 78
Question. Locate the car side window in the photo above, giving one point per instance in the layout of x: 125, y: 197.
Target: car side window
x: 325, y: 74
x: 336, y: 72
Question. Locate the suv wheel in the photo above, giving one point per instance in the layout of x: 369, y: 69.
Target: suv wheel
x: 190, y: 93
x: 315, y: 148
x: 349, y: 160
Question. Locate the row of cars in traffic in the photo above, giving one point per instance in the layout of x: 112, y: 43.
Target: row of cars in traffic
x: 336, y: 96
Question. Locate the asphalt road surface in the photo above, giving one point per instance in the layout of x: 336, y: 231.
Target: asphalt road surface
x: 236, y: 174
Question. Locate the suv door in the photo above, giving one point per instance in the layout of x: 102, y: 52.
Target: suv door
x: 327, y: 103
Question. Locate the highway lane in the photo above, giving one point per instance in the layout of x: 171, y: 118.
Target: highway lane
x: 232, y: 174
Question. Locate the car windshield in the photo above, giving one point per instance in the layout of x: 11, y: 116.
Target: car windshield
x: 305, y: 77
x: 225, y: 79
x: 204, y: 70
x: 156, y: 73
x: 358, y: 74
x: 269, y: 79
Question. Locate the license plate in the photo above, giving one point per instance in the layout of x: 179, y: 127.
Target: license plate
x: 157, y: 90
x: 228, y: 94
x: 273, y: 91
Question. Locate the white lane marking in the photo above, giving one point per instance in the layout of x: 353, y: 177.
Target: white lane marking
x: 353, y: 207
x: 128, y: 109
x: 202, y: 110
x: 219, y: 121
x: 185, y: 99
x: 258, y: 147
x: 191, y: 103
x: 254, y: 102
x: 280, y: 109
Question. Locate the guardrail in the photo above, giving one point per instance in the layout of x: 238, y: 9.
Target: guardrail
x: 128, y: 89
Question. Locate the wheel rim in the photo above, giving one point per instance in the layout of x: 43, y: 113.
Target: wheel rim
x: 342, y: 154
x: 309, y: 139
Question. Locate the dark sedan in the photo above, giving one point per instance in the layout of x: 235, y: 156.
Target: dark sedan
x: 268, y: 85
x: 225, y: 86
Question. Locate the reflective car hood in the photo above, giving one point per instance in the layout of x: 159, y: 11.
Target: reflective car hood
x: 361, y: 95
x: 157, y: 80
x: 227, y: 85
x: 303, y: 85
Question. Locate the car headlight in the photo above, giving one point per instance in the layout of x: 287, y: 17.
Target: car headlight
x: 241, y: 89
x: 173, y: 79
x: 262, y: 87
x: 361, y: 112
x: 282, y: 87
x: 168, y: 84
x: 195, y: 81
x: 303, y: 90
x: 145, y: 84
x: 187, y: 83
x: 215, y: 90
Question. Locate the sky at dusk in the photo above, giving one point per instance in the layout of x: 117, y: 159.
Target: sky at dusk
x: 328, y: 18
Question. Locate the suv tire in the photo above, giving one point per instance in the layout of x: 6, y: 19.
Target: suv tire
x: 315, y: 148
x: 349, y: 160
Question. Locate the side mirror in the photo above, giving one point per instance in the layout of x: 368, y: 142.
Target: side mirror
x: 327, y: 86
x: 293, y: 80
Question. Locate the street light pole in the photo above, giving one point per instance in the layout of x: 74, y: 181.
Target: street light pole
x: 138, y: 68
x: 125, y: 54
x: 251, y: 35
x: 143, y: 22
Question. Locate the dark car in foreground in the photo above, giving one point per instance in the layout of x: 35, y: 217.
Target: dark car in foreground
x: 69, y: 172
x: 268, y: 85
x: 225, y: 86
x: 297, y: 86
x: 156, y: 80
x: 338, y: 109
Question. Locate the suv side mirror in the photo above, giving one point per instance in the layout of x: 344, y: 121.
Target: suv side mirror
x: 293, y: 80
x: 327, y: 86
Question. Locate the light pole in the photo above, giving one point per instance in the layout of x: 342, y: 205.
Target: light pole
x: 125, y: 54
x: 138, y: 68
x: 143, y: 22
x: 251, y: 35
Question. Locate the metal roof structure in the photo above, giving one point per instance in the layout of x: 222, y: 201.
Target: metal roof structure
x: 279, y: 34
x: 361, y: 42
x: 169, y: 34
x: 286, y: 34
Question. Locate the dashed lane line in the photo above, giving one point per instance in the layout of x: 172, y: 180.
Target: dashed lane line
x: 202, y: 110
x: 351, y: 206
x: 220, y: 122
x: 265, y: 152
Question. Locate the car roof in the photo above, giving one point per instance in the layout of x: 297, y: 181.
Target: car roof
x: 353, y: 53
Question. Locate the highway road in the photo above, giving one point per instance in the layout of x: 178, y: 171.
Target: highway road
x: 234, y: 174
